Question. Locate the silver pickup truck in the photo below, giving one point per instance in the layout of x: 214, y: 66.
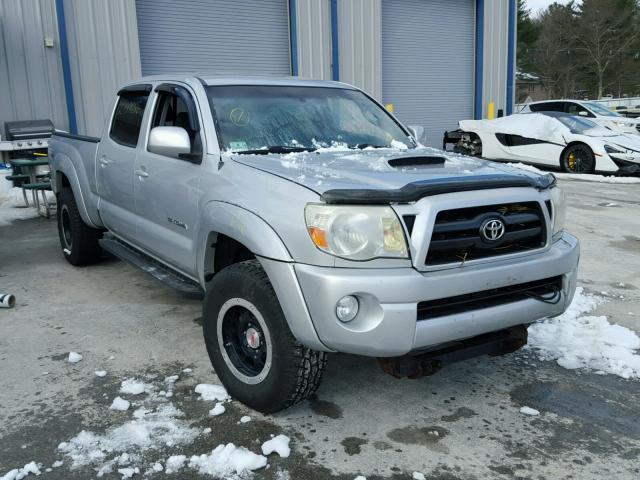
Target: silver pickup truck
x: 312, y: 221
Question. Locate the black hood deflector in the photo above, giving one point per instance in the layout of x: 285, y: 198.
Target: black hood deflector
x: 416, y: 190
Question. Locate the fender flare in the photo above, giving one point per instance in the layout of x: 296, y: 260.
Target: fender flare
x: 64, y: 165
x: 243, y: 226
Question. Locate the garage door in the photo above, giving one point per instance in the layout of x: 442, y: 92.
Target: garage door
x: 428, y: 62
x: 214, y: 36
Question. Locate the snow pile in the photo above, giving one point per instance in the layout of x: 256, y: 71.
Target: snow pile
x: 175, y: 463
x: 74, y: 357
x: 120, y: 404
x: 529, y: 411
x: 131, y: 386
x: 12, y: 206
x: 278, y: 444
x: 418, y: 476
x: 211, y: 393
x: 100, y: 373
x: 245, y: 419
x: 576, y: 340
x: 149, y: 430
x: 217, y: 410
x: 227, y: 459
x: 20, y: 473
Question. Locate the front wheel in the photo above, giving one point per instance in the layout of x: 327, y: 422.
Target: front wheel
x: 578, y: 158
x: 250, y: 345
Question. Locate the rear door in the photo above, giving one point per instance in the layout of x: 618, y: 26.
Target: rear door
x: 116, y: 159
x: 167, y: 188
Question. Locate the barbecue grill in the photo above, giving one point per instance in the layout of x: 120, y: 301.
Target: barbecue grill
x: 24, y: 138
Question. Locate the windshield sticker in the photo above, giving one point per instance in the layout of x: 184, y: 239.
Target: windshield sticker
x: 239, y: 117
x: 238, y: 145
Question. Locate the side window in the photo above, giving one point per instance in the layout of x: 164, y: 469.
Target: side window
x: 547, y: 107
x: 172, y: 111
x: 575, y: 109
x: 127, y: 118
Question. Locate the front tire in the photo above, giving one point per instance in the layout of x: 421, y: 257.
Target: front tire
x: 578, y: 158
x: 79, y: 242
x: 250, y: 345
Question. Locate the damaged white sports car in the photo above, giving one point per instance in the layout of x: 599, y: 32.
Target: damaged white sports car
x: 553, y: 139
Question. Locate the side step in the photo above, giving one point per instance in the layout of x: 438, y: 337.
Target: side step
x: 157, y: 270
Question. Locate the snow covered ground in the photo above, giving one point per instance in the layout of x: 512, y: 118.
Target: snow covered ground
x: 12, y: 206
x: 581, y: 176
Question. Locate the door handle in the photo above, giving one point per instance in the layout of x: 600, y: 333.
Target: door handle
x: 141, y: 173
x: 104, y: 162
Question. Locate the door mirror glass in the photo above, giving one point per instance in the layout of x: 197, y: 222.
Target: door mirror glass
x: 169, y: 141
x: 583, y: 113
x: 417, y: 131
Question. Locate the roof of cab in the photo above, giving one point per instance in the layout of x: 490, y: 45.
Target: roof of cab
x: 210, y: 80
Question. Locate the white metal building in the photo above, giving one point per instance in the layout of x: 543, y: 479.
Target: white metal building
x: 434, y: 61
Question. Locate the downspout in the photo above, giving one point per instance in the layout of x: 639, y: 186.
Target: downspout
x: 293, y: 36
x: 479, y: 68
x: 335, y: 53
x: 66, y: 67
x: 511, y: 52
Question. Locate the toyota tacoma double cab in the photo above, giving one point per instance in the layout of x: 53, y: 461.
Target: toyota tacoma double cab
x: 312, y: 221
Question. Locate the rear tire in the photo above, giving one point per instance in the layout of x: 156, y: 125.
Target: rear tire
x: 79, y: 242
x: 250, y: 345
x: 578, y: 158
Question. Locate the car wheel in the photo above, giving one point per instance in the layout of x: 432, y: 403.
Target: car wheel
x: 578, y: 158
x: 250, y: 345
x: 79, y: 242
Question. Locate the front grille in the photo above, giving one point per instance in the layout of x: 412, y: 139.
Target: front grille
x: 548, y: 288
x: 456, y: 236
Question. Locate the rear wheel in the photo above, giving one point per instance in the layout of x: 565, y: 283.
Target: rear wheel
x: 79, y: 242
x: 578, y: 158
x: 252, y: 350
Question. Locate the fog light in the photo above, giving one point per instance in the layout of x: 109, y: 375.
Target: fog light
x: 347, y: 308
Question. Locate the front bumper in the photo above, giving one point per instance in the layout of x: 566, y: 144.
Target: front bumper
x: 387, y: 323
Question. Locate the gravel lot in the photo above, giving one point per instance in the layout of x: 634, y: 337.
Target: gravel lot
x: 462, y: 423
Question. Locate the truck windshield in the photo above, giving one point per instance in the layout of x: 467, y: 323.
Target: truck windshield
x: 266, y: 118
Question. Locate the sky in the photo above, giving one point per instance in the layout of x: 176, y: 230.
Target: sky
x: 536, y: 5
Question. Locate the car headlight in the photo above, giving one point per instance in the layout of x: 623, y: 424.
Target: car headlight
x: 559, y: 211
x: 612, y: 149
x: 356, y: 232
x: 619, y: 124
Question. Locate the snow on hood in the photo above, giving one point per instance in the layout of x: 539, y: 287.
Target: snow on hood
x: 530, y: 125
x: 328, y: 169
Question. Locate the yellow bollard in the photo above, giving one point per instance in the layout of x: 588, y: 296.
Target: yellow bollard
x: 389, y: 107
x: 491, y: 110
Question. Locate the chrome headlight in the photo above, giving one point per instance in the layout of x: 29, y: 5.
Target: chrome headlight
x: 559, y: 211
x: 621, y: 152
x: 356, y: 232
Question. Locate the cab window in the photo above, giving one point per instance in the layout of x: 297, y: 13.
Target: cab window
x: 172, y: 111
x: 127, y: 118
x: 575, y: 109
x: 547, y: 107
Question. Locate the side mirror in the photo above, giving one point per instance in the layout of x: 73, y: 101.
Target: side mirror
x: 417, y: 131
x: 583, y: 113
x: 169, y: 141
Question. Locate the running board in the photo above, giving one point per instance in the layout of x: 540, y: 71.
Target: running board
x: 157, y: 270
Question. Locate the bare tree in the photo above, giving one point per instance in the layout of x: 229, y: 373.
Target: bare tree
x: 603, y: 31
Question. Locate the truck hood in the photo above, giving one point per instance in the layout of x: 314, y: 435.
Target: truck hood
x: 384, y: 170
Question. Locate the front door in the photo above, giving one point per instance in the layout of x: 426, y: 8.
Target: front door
x: 167, y: 188
x: 116, y: 161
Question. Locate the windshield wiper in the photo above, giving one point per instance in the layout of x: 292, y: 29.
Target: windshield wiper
x: 276, y: 149
x: 362, y: 146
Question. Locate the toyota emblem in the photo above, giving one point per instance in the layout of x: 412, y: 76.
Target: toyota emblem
x: 492, y: 230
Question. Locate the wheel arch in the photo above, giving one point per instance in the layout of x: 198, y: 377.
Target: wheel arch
x: 574, y: 143
x: 67, y: 176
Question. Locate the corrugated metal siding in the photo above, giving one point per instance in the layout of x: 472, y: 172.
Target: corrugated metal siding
x: 31, y: 85
x: 359, y: 29
x: 103, y: 50
x: 314, y: 39
x: 496, y: 40
x: 215, y: 36
x: 428, y: 62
